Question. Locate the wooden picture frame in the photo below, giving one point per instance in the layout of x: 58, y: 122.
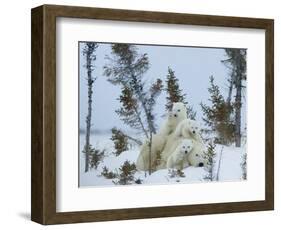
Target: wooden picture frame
x: 43, y: 188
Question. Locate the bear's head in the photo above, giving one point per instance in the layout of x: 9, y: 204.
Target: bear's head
x: 196, y: 159
x: 193, y: 127
x: 189, y: 128
x: 178, y: 110
x: 186, y: 146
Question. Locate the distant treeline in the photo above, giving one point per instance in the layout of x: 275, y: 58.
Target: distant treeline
x: 102, y: 131
x: 95, y: 131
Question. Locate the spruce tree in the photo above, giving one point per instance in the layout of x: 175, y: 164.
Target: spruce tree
x: 95, y: 156
x: 210, y: 159
x: 126, y: 174
x: 236, y: 63
x: 217, y: 116
x: 130, y: 112
x: 126, y: 68
x: 120, y: 141
x: 89, y: 52
x: 108, y: 174
x: 175, y: 94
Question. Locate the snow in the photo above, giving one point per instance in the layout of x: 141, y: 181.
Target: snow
x: 230, y: 167
x: 227, y: 165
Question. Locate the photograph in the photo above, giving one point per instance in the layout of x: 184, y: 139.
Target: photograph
x: 155, y: 114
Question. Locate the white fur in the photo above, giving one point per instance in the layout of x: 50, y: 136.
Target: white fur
x: 189, y: 129
x: 157, y: 145
x: 196, y: 157
x: 184, y: 130
x: 175, y: 116
x: 176, y: 159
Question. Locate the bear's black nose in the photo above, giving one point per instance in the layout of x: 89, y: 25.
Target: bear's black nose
x: 193, y: 132
x: 175, y: 115
x: 185, y: 151
x: 201, y: 164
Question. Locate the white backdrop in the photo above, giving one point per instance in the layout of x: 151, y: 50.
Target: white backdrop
x: 15, y: 112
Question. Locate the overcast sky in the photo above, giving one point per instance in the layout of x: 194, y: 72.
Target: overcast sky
x: 192, y: 65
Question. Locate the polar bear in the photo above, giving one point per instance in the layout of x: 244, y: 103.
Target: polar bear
x: 188, y: 129
x: 176, y: 159
x: 157, y: 145
x: 175, y: 116
x: 196, y: 157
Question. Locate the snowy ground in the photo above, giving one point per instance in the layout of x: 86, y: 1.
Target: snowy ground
x: 227, y: 166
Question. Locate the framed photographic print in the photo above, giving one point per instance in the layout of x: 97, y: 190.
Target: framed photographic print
x: 140, y: 114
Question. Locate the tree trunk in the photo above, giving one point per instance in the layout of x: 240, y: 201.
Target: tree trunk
x: 219, y: 165
x: 140, y: 121
x: 237, y: 62
x: 148, y: 117
x: 150, y: 158
x: 141, y: 98
x: 230, y: 88
x: 238, y: 104
x: 89, y: 115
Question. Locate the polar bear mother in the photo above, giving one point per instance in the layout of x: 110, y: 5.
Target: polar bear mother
x: 175, y: 116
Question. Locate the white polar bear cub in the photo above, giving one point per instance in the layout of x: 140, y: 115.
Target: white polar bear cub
x: 176, y: 159
x: 188, y: 129
x: 175, y: 116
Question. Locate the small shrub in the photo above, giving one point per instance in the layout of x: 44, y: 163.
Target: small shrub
x: 120, y: 141
x: 126, y: 174
x: 108, y: 174
x: 172, y: 173
x: 209, y: 156
x: 95, y: 156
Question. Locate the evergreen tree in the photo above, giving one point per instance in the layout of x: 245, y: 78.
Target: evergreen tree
x: 175, y: 94
x: 89, y: 52
x: 126, y: 68
x: 95, y: 156
x: 175, y: 173
x: 154, y: 91
x: 120, y: 141
x: 126, y: 174
x: 210, y: 159
x: 108, y: 174
x: 236, y: 63
x: 217, y: 116
x: 130, y: 111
